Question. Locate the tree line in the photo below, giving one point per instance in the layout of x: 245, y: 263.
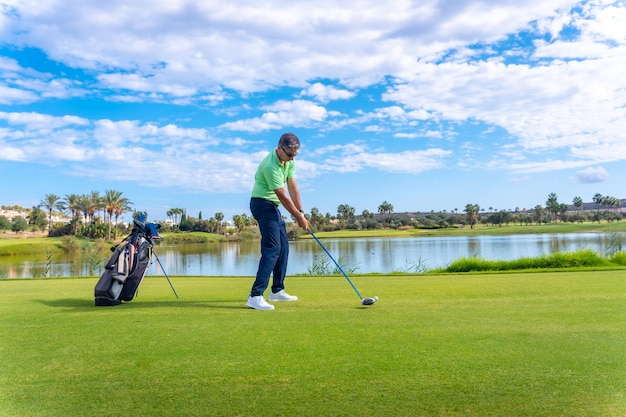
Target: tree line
x: 602, y: 208
x: 91, y: 215
x: 97, y: 216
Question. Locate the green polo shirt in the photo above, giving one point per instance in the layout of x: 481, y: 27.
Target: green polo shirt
x: 272, y: 175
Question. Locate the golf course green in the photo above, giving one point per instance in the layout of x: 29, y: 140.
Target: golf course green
x: 494, y: 344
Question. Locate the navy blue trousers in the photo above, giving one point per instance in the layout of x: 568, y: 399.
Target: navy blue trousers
x: 274, y: 246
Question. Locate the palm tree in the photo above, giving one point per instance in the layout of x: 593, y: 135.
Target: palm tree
x: 241, y: 221
x: 345, y: 213
x: 115, y: 204
x: 82, y: 206
x: 110, y: 201
x: 613, y: 202
x: 50, y: 203
x: 316, y: 217
x: 472, y: 211
x: 552, y: 204
x: 577, y: 202
x: 386, y: 208
x: 219, y: 217
x: 597, y: 199
x: 562, y: 210
x: 123, y: 206
x: 538, y: 213
x: 617, y: 203
x: 94, y: 204
x: 175, y: 214
x: 71, y: 204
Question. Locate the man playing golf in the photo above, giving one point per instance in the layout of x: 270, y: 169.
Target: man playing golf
x: 268, y: 194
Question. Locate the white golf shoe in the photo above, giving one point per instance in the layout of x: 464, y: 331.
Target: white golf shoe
x: 281, y: 296
x: 259, y: 303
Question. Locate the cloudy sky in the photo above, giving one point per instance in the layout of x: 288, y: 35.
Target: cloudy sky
x: 428, y: 105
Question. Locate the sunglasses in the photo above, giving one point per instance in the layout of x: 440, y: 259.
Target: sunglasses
x: 290, y: 155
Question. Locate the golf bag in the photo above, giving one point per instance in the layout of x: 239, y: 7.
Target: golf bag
x: 127, y: 267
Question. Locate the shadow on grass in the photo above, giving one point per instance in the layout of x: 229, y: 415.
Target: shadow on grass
x: 88, y: 304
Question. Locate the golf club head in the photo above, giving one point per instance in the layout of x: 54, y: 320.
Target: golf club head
x: 369, y: 301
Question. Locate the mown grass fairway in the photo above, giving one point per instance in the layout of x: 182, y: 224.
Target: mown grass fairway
x: 514, y: 344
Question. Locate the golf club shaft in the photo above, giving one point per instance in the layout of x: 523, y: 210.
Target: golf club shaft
x: 336, y: 263
x: 165, y: 273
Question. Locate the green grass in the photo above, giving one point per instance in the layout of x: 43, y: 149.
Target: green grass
x: 561, y: 260
x: 533, y: 344
x: 191, y: 237
x: 36, y: 245
x: 39, y: 245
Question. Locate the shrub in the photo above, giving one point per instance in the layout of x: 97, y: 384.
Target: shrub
x: 557, y: 260
x: 70, y: 244
x: 64, y: 230
x: 618, y: 258
x: 248, y: 234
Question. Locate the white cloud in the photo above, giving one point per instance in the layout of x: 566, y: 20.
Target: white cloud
x: 8, y: 65
x: 36, y: 121
x: 326, y: 93
x: 605, y: 23
x: 403, y: 162
x: 297, y: 113
x: 592, y: 175
x: 548, y: 165
x: 356, y: 157
x: 181, y: 47
x: 557, y: 106
x: 20, y: 85
x: 144, y: 153
x: 570, y: 50
x: 12, y: 153
x: 9, y: 95
x: 206, y: 172
x: 407, y: 135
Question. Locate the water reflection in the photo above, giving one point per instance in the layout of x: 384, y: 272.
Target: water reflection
x: 365, y: 255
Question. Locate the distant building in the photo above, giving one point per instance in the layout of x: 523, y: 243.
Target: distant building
x: 11, y: 214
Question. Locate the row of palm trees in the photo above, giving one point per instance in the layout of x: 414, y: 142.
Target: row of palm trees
x: 607, y: 201
x: 111, y: 204
x: 553, y: 207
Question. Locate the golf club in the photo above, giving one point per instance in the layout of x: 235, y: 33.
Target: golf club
x: 364, y: 301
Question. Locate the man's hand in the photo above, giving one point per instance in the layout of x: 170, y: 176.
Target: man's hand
x: 302, y: 221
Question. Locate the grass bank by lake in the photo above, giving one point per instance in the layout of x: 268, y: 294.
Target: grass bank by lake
x: 18, y: 245
x: 29, y: 246
x: 536, y: 345
x: 481, y: 230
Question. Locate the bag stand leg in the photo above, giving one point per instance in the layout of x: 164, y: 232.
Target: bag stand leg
x: 165, y: 273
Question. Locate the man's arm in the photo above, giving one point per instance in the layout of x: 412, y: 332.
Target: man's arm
x: 294, y: 192
x: 293, y: 204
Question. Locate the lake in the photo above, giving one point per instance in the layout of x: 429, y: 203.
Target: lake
x: 366, y: 255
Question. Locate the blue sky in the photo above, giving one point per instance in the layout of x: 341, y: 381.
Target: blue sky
x: 428, y: 105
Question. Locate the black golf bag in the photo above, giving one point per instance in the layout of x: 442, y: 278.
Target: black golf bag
x: 127, y: 267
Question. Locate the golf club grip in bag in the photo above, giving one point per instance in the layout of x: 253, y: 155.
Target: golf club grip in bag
x: 126, y: 268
